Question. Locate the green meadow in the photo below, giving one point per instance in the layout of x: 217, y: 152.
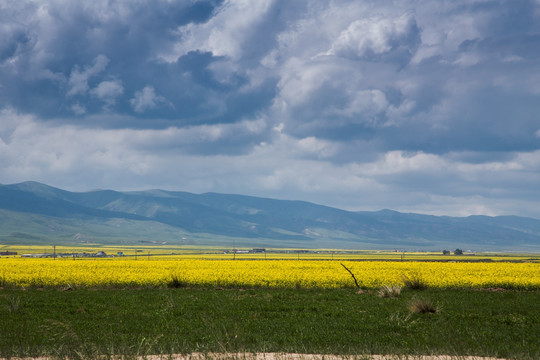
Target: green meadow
x: 95, y: 323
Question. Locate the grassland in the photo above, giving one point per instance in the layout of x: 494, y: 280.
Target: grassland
x: 85, y: 323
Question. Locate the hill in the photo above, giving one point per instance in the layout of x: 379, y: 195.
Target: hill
x: 34, y: 213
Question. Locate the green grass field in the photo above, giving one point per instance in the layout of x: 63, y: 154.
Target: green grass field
x: 89, y: 323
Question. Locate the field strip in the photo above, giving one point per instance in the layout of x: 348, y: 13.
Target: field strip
x: 287, y: 356
x: 293, y: 356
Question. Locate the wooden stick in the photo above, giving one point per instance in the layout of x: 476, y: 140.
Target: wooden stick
x: 354, y: 278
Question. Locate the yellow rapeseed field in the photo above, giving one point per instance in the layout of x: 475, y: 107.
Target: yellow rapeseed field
x: 262, y: 273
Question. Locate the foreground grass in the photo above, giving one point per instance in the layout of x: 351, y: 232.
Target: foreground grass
x: 86, y: 323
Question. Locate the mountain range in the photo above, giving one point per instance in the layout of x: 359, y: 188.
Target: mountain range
x: 35, y: 213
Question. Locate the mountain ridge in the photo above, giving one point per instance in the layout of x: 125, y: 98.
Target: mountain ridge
x: 108, y: 216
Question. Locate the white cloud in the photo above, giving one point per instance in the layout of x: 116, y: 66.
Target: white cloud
x: 283, y: 145
x: 224, y: 33
x: 286, y: 167
x: 399, y: 162
x: 108, y: 91
x: 396, y: 114
x: 367, y: 103
x: 78, y: 80
x: 512, y: 59
x: 300, y: 79
x: 467, y: 59
x: 78, y: 109
x: 10, y: 120
x: 146, y: 99
x: 442, y: 35
x: 375, y: 36
x: 14, y: 40
x: 186, y: 137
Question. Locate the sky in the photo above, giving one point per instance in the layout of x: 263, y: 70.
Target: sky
x: 430, y: 107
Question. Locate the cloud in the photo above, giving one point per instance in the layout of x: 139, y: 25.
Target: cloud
x: 146, y: 99
x: 80, y: 158
x: 368, y: 38
x: 108, y: 90
x: 78, y: 79
x: 225, y: 33
x: 401, y: 104
x: 78, y: 109
x: 14, y: 41
x: 366, y: 103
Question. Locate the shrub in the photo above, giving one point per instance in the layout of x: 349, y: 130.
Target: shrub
x: 14, y: 303
x: 68, y: 287
x: 402, y: 320
x: 391, y: 291
x: 414, y: 282
x: 176, y: 282
x: 422, y: 306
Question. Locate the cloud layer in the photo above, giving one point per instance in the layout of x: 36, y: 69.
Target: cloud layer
x: 412, y: 105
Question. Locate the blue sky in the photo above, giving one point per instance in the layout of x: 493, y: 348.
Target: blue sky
x: 417, y: 106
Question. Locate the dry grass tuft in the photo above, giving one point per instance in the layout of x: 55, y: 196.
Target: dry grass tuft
x: 389, y: 291
x: 422, y: 306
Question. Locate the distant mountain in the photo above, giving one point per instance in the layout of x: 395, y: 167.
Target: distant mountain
x: 34, y: 213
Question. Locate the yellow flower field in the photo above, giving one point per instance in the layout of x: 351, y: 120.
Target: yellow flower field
x: 261, y: 273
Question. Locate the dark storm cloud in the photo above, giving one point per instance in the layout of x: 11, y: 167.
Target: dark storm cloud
x: 65, y: 50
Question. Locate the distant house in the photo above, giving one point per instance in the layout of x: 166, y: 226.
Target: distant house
x: 8, y: 253
x: 99, y: 254
x: 38, y: 255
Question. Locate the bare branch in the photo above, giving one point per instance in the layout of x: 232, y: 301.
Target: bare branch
x: 354, y: 278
